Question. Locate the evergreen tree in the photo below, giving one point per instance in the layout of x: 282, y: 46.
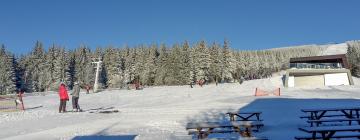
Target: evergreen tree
x: 202, y: 61
x: 150, y: 66
x: 185, y: 63
x: 7, y: 72
x: 173, y: 67
x: 61, y: 66
x: 353, y: 56
x: 112, y: 65
x: 129, y: 74
x: 70, y: 71
x: 216, y: 63
x: 84, y: 70
x: 50, y: 67
x: 192, y: 74
x: 161, y: 72
x: 35, y: 73
x: 229, y: 64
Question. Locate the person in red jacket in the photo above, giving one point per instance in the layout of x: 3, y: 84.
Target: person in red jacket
x: 64, y: 97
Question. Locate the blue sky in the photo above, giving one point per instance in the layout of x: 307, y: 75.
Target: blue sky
x: 247, y: 24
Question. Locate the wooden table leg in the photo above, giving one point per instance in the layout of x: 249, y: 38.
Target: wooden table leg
x: 232, y: 117
x: 247, y: 131
x: 314, y: 135
x: 199, y: 133
x: 258, y: 116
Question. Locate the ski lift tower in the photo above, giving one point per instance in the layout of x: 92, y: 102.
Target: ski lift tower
x: 98, y: 66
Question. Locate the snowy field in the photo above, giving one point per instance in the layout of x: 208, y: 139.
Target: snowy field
x: 158, y: 113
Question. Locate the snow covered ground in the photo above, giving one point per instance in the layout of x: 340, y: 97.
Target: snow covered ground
x: 158, y: 113
x: 333, y: 49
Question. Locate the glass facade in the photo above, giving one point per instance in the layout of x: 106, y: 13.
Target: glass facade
x: 316, y: 66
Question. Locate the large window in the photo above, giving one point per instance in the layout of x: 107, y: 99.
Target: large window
x: 316, y: 65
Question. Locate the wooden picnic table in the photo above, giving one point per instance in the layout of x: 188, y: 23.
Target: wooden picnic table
x: 327, y: 132
x: 205, y: 128
x: 244, y: 116
x: 317, y: 114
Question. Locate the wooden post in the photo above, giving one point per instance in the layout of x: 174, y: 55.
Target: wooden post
x: 255, y: 91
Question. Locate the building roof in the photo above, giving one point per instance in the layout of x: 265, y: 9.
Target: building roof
x: 340, y: 58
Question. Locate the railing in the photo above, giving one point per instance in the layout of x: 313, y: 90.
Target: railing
x: 316, y: 65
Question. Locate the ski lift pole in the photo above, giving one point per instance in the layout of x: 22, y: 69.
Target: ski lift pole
x: 97, y: 75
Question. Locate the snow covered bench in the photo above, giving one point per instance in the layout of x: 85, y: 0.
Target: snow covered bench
x: 203, y: 129
x: 318, y: 122
x: 327, y: 132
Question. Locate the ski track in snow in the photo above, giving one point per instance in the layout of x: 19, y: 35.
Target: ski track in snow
x: 157, y: 113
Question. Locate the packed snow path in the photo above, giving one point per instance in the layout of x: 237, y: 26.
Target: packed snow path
x: 158, y: 113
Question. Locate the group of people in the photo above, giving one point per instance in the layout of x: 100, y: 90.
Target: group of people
x: 64, y: 97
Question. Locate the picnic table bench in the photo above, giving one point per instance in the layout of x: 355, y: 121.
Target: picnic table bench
x: 327, y: 132
x: 244, y: 116
x: 317, y: 114
x: 318, y: 122
x: 203, y: 129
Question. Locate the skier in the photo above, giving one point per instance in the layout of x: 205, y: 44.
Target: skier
x: 241, y: 80
x: 18, y: 99
x: 87, y: 87
x: 63, y: 97
x: 75, y: 97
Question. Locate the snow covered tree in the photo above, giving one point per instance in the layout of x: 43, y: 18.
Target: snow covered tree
x: 61, y: 66
x: 35, y: 69
x: 179, y: 65
x: 112, y: 66
x: 150, y: 66
x: 192, y: 63
x: 70, y: 71
x: 202, y: 61
x: 7, y: 72
x: 173, y: 67
x: 229, y: 64
x: 216, y: 63
x: 353, y: 56
x: 140, y: 61
x: 161, y: 62
x: 185, y: 63
x: 129, y: 74
x: 84, y: 70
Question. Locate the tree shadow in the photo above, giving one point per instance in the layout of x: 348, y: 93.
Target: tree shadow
x: 101, y: 137
x: 33, y: 107
x: 281, y: 116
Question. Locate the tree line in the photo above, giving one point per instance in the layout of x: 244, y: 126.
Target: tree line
x: 151, y: 65
x: 353, y: 56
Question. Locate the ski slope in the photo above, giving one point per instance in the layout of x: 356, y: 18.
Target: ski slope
x: 159, y: 113
x: 333, y: 49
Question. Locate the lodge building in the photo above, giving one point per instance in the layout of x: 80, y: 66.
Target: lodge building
x: 318, y: 71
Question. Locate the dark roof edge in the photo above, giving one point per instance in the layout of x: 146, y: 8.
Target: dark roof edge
x: 324, y: 57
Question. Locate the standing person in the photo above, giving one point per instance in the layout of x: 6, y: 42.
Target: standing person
x: 64, y: 97
x: 87, y: 87
x: 75, y: 97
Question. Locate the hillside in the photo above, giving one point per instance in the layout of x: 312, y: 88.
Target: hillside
x: 162, y: 112
x: 333, y: 49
